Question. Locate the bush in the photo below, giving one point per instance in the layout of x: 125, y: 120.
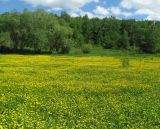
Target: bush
x: 86, y: 48
x: 65, y: 49
x: 66, y: 46
x: 134, y: 48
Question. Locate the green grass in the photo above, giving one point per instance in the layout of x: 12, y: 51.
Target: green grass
x: 79, y: 92
x: 99, y: 51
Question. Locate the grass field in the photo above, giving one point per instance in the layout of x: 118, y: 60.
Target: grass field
x: 45, y: 92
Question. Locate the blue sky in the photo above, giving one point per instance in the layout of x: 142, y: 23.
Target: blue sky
x: 138, y: 9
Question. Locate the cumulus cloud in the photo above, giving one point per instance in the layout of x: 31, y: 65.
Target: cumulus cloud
x: 144, y: 11
x: 82, y: 13
x: 89, y: 14
x: 69, y: 4
x: 127, y: 14
x: 73, y: 7
x: 117, y: 11
x: 73, y: 14
x: 126, y: 8
x: 151, y: 8
x: 101, y: 11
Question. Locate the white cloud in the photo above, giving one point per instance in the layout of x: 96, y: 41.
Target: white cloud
x: 73, y: 14
x: 151, y: 8
x: 83, y: 13
x: 56, y: 9
x: 101, y: 11
x: 126, y: 4
x: 69, y: 4
x: 76, y: 13
x: 74, y: 7
x: 89, y: 14
x: 136, y: 3
x: 144, y: 11
x: 117, y: 11
x: 127, y: 14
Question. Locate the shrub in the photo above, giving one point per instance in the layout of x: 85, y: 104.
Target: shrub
x: 65, y: 49
x: 134, y: 48
x: 66, y: 46
x: 86, y: 48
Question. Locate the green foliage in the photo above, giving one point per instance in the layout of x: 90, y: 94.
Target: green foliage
x: 86, y: 48
x: 41, y: 31
x: 66, y: 47
x: 5, y: 39
x: 111, y: 41
x: 124, y: 41
x: 107, y: 42
x: 152, y: 42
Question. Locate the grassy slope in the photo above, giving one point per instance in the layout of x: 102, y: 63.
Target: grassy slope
x: 82, y: 92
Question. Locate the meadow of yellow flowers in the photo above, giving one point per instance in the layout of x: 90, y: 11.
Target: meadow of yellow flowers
x: 54, y: 92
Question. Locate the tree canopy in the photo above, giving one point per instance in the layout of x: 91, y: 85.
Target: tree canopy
x: 40, y: 31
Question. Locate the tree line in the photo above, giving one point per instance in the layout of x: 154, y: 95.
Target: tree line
x: 40, y: 31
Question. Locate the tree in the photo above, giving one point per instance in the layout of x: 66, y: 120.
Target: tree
x: 86, y: 29
x: 60, y: 38
x: 152, y: 40
x: 107, y: 42
x: 124, y: 41
x: 65, y: 16
x: 40, y: 31
x: 5, y: 42
x: 76, y: 25
x: 5, y: 39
